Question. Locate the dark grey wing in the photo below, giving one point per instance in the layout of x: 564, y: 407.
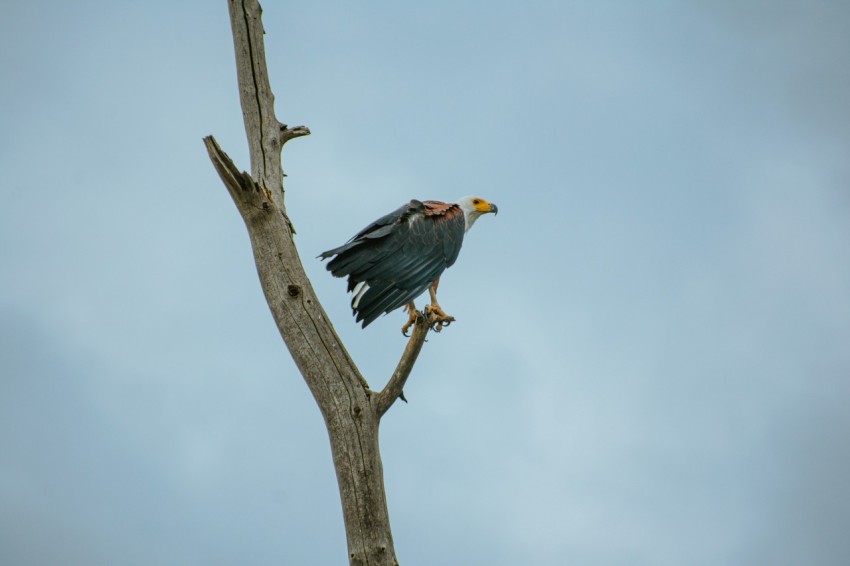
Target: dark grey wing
x: 377, y: 229
x: 398, y: 256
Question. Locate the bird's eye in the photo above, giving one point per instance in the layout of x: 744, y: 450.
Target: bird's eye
x: 476, y: 201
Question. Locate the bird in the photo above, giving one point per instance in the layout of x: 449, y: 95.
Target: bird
x: 394, y: 259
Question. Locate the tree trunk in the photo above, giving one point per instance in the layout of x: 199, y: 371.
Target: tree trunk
x: 352, y: 411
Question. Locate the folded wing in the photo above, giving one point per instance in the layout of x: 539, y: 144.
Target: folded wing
x: 394, y: 259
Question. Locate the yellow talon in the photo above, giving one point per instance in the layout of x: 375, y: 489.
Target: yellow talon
x: 437, y: 318
x: 412, y: 316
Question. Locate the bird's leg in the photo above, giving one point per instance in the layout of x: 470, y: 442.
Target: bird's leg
x: 412, y: 316
x: 436, y: 316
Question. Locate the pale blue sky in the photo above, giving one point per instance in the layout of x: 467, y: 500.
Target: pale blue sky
x: 651, y: 364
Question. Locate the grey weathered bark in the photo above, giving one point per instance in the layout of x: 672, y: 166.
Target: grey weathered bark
x: 352, y: 411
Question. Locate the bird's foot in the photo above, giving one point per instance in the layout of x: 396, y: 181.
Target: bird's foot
x: 437, y: 319
x: 412, y: 316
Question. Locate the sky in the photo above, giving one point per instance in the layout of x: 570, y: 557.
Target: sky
x: 651, y: 359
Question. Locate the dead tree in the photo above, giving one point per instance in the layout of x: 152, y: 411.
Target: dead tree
x: 352, y: 411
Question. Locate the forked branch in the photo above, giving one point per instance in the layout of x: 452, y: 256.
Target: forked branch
x: 351, y: 410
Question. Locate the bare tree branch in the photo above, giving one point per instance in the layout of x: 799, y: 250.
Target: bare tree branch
x: 352, y: 411
x: 395, y: 386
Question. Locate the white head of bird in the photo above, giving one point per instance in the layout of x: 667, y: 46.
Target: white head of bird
x: 473, y: 207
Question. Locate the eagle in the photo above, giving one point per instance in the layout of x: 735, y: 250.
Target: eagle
x: 394, y: 259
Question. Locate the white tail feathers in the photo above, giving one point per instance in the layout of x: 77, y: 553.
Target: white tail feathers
x: 359, y: 290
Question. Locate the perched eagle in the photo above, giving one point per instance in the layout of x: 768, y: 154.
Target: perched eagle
x: 394, y: 259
